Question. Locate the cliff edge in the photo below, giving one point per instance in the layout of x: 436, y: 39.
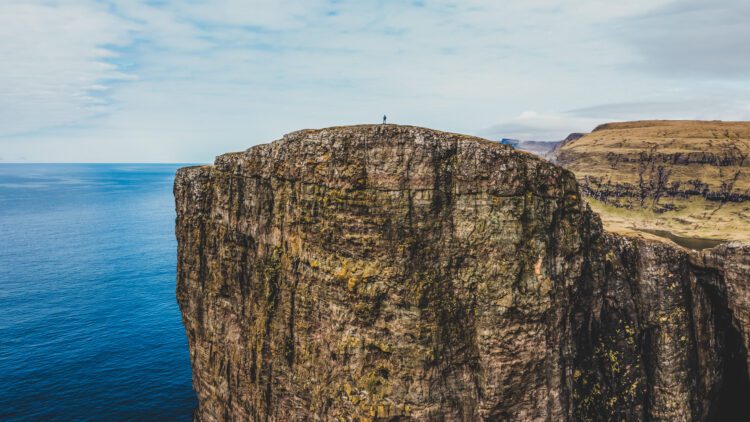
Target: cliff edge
x: 399, y: 273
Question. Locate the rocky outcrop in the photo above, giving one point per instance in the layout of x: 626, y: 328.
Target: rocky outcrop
x: 399, y: 273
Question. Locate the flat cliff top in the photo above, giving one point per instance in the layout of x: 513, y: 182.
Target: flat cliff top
x: 666, y: 136
x: 352, y: 133
x: 691, y: 178
x: 389, y: 157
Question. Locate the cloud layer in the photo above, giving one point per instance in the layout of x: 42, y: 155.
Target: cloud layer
x: 705, y: 39
x: 55, y: 67
x: 183, y: 81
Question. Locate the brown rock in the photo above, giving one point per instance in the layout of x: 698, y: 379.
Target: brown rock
x: 399, y: 273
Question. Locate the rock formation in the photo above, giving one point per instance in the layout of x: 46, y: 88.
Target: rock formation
x: 399, y: 273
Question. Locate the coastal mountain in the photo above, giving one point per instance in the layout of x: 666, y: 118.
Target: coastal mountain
x: 553, y: 153
x: 540, y: 148
x: 690, y: 178
x: 398, y: 273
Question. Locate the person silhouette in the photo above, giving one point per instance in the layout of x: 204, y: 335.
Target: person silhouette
x: 384, y: 119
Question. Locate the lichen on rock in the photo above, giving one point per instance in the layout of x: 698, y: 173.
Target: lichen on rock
x: 399, y: 273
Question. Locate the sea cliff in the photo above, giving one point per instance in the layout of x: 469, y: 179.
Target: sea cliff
x: 400, y: 273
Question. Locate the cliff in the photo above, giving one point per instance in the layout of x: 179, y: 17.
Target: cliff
x: 688, y: 177
x: 399, y: 273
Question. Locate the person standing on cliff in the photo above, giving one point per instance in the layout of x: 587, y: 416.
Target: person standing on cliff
x: 384, y: 119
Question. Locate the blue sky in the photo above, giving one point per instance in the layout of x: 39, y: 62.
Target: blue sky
x: 166, y: 81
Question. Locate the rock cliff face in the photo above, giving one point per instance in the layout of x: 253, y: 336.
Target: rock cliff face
x: 650, y: 160
x: 399, y: 273
x: 662, y: 333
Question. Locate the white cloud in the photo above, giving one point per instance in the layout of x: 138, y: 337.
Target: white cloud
x: 690, y: 38
x: 54, y: 62
x: 531, y: 125
x: 204, y: 77
x: 540, y: 127
x: 707, y: 108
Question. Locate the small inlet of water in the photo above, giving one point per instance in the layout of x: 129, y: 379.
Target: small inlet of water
x: 694, y: 243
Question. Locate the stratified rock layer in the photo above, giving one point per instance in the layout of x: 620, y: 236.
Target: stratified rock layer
x: 635, y: 164
x: 691, y: 178
x: 399, y: 273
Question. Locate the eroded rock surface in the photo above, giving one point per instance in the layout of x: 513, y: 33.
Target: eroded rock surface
x: 399, y: 273
x: 662, y: 333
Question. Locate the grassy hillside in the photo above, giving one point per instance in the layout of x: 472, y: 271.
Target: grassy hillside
x: 689, y: 177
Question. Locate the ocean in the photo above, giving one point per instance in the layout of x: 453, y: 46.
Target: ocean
x: 89, y: 324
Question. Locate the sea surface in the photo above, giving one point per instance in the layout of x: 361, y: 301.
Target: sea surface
x: 89, y: 324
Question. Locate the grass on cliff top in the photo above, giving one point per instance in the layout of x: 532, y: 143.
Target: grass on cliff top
x: 620, y: 154
x: 610, y: 151
x: 697, y: 218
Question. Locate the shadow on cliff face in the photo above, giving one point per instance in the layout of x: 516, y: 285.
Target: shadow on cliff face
x: 732, y: 397
x: 733, y: 402
x: 308, y: 293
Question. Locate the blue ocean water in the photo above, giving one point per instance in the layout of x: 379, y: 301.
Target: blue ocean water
x: 89, y: 324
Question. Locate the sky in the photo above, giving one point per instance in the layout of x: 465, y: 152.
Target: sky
x: 184, y: 81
